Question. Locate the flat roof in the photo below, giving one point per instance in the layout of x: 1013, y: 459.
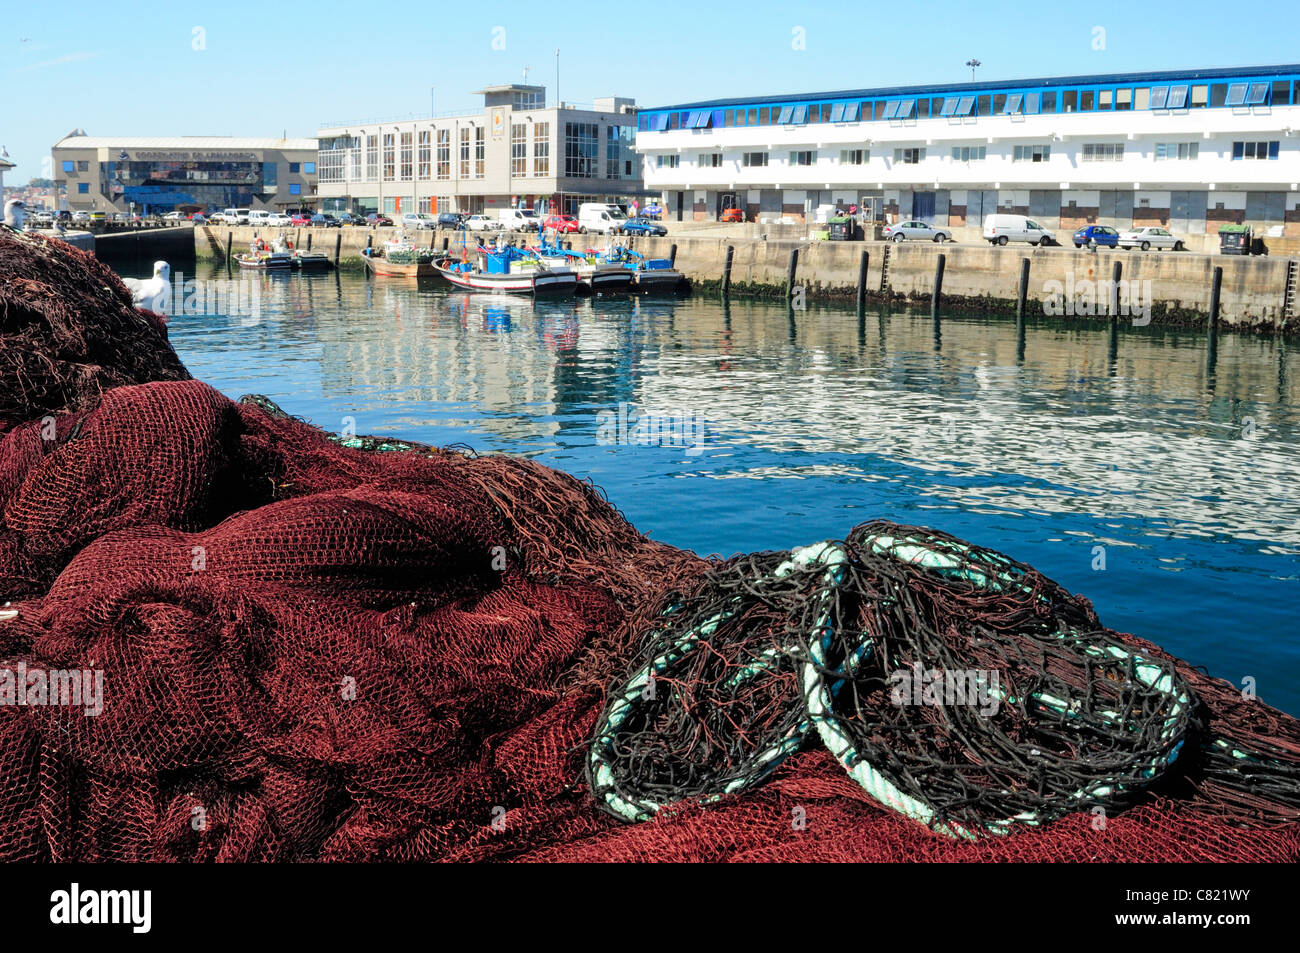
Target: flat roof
x: 1094, y: 79
x: 181, y: 142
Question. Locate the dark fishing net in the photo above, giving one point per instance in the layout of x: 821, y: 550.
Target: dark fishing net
x: 68, y: 331
x: 317, y: 647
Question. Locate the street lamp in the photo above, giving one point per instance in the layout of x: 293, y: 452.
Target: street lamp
x: 972, y: 63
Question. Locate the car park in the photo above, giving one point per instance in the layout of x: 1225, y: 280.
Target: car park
x: 1096, y: 236
x: 916, y: 231
x: 1150, y: 236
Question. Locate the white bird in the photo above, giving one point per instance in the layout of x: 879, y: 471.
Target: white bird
x: 14, y: 214
x: 152, y: 294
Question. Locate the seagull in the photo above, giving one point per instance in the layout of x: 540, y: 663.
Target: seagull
x: 14, y: 214
x: 152, y: 294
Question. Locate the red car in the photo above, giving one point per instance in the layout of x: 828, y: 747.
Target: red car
x: 302, y: 219
x: 562, y: 223
x: 732, y: 215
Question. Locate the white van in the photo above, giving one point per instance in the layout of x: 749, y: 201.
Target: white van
x: 518, y: 219
x: 235, y: 216
x: 600, y: 217
x: 1000, y: 229
x: 258, y: 216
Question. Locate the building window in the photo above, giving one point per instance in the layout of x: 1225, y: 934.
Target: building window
x: 968, y: 153
x: 518, y: 149
x: 529, y: 99
x: 803, y: 157
x: 372, y: 158
x: 424, y: 154
x: 480, y: 152
x: 83, y: 188
x: 542, y: 149
x: 464, y: 152
x: 1031, y: 153
x: 309, y: 168
x: 444, y: 154
x: 1103, y: 152
x: 754, y: 160
x: 581, y: 149
x: 909, y: 156
x: 1255, y: 150
x: 612, y: 151
x: 69, y: 165
x: 854, y: 156
x: 667, y: 162
x: 83, y: 165
x: 293, y: 168
x: 408, y: 142
x: 295, y: 188
x: 710, y: 160
x: 390, y: 169
x: 1177, y: 150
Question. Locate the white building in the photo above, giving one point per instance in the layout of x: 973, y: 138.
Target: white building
x: 1187, y: 149
x: 515, y: 150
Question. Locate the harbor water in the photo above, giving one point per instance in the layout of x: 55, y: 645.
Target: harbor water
x: 1130, y: 465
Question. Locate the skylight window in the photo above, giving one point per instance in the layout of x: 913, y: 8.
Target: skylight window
x: 1177, y: 97
x: 1013, y: 103
x: 800, y: 115
x: 784, y: 118
x: 1258, y: 94
x: 845, y: 112
x: 1236, y: 94
x: 965, y: 105
x: 1159, y: 97
x: 949, y: 106
x: 659, y: 123
x: 891, y: 109
x: 905, y: 108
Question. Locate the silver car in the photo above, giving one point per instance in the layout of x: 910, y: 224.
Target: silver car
x: 916, y: 232
x: 1149, y: 237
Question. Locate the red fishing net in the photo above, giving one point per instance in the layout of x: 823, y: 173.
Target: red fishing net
x: 311, y: 651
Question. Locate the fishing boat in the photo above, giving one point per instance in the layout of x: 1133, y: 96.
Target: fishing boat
x: 399, y: 258
x: 596, y: 276
x: 506, y: 269
x: 310, y: 260
x: 649, y: 275
x: 267, y: 256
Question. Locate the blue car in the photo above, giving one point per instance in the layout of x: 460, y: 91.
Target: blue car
x: 1095, y: 235
x: 642, y: 226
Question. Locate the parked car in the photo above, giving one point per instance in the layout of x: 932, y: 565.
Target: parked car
x: 81, y: 216
x: 278, y: 220
x: 1096, y: 236
x: 235, y: 216
x: 450, y: 220
x: 299, y: 219
x: 351, y: 218
x: 481, y: 223
x: 641, y: 226
x: 732, y: 215
x: 259, y: 216
x: 1149, y: 237
x: 374, y: 218
x: 1000, y: 229
x: 914, y: 231
x: 561, y: 223
x: 198, y: 218
x: 418, y: 220
x: 324, y: 220
x: 99, y: 216
x: 169, y: 217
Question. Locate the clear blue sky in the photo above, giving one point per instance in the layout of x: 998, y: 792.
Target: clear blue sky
x: 132, y: 69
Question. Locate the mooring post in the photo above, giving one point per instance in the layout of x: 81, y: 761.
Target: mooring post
x: 938, y: 286
x: 1215, y: 288
x: 726, y: 270
x: 1023, y: 292
x: 230, y: 238
x: 309, y: 241
x: 672, y: 256
x: 1114, y: 291
x: 790, y: 273
x: 338, y: 247
x: 862, y: 278
x: 446, y: 243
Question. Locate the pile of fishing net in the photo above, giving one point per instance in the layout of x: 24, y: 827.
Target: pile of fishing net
x: 316, y: 648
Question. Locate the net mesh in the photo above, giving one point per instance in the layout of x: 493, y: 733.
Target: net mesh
x: 318, y: 649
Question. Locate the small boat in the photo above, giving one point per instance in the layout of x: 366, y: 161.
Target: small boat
x: 595, y: 275
x: 507, y: 269
x: 649, y: 275
x: 265, y: 257
x: 399, y: 258
x: 309, y: 260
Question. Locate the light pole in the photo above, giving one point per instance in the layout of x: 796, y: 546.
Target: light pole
x: 972, y: 63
